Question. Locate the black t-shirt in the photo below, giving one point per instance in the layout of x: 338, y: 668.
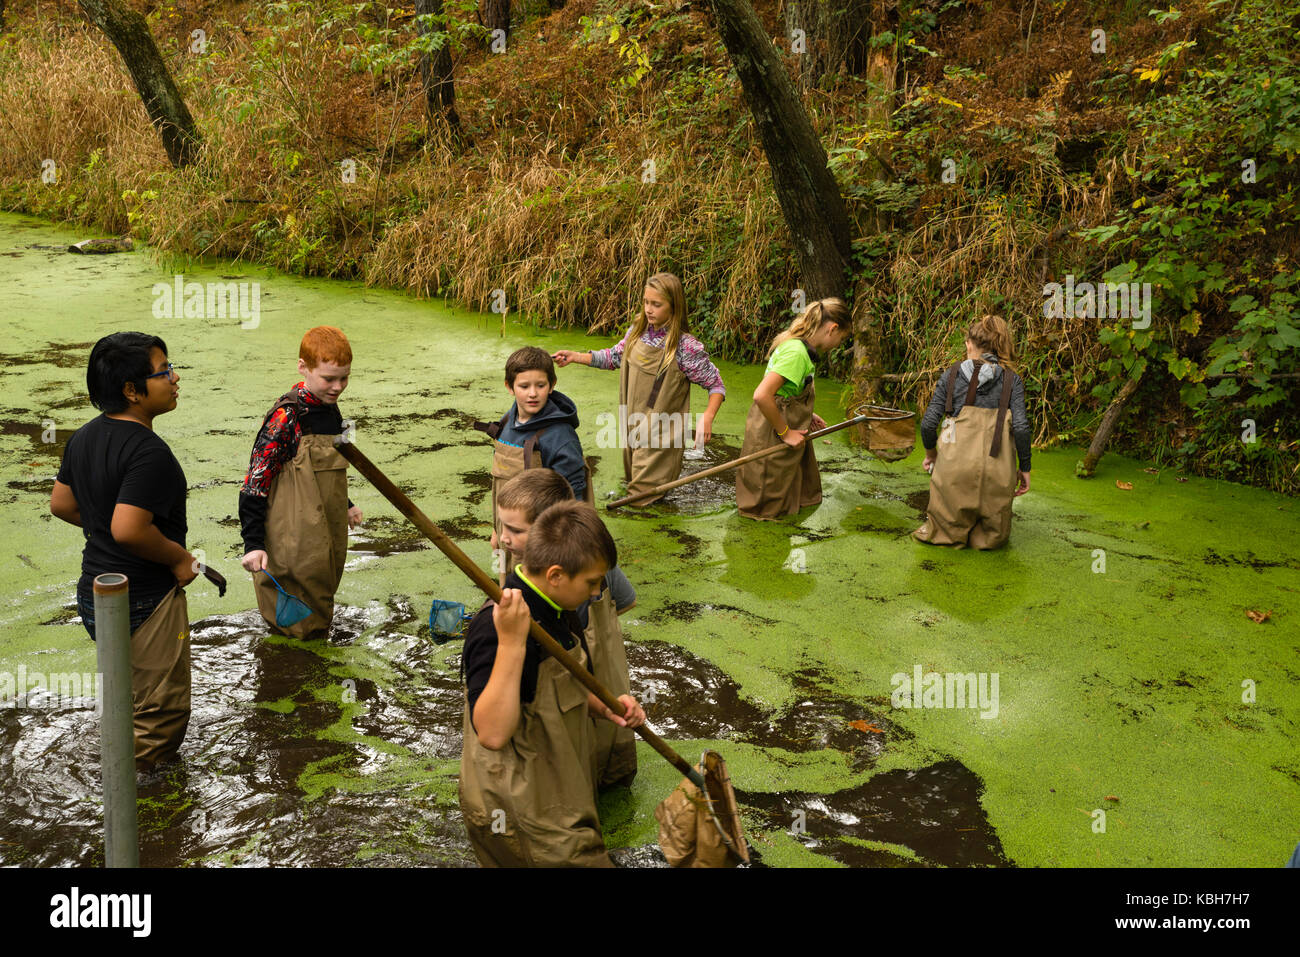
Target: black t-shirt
x: 480, y: 651
x: 111, y: 461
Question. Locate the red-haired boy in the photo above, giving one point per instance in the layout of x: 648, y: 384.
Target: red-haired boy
x: 294, y: 510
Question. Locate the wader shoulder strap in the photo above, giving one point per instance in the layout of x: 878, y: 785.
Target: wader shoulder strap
x: 530, y: 443
x: 668, y: 362
x: 1004, y: 402
x: 290, y: 400
x: 974, y: 383
x: 654, y: 389
x: 571, y: 622
x: 492, y: 429
x: 952, y: 380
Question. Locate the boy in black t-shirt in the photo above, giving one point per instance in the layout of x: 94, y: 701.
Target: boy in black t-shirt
x: 527, y: 771
x: 120, y: 483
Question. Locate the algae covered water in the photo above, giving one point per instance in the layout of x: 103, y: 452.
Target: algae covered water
x: 1124, y: 708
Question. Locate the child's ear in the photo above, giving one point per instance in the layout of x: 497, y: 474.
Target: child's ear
x: 510, y: 386
x: 302, y: 367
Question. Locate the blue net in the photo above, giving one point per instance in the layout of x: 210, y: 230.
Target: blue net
x: 447, y: 619
x: 288, y: 609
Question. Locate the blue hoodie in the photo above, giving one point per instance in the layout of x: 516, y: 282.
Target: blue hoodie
x: 558, y: 446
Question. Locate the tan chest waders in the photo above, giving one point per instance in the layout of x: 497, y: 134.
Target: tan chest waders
x: 306, y: 534
x: 657, y: 400
x: 507, y: 462
x: 784, y: 482
x: 974, y: 477
x: 533, y: 803
x: 615, y: 746
x: 160, y: 681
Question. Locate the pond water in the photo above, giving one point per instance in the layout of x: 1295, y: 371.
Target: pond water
x: 777, y: 644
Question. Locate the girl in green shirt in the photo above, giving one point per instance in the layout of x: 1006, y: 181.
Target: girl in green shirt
x: 787, y: 481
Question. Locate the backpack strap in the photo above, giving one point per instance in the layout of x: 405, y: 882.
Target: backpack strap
x: 491, y: 429
x: 1004, y: 402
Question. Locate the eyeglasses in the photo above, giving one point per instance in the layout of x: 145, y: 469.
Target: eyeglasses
x: 167, y: 372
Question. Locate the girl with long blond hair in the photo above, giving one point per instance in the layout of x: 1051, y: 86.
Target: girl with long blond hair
x: 974, y: 471
x: 658, y: 360
x: 787, y: 481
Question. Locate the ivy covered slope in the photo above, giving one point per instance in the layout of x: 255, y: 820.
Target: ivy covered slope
x: 1213, y: 227
x: 986, y: 151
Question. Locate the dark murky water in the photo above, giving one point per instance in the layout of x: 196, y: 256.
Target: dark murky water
x: 275, y: 772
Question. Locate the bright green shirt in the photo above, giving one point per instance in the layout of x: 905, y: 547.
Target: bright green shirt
x: 792, y: 362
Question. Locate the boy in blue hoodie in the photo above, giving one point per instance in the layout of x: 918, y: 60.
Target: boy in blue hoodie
x: 539, y: 431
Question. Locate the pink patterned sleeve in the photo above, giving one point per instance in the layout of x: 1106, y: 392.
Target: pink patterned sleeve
x: 693, y: 360
x: 610, y: 358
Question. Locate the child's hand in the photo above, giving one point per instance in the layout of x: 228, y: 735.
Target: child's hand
x: 254, y: 561
x: 565, y: 356
x: 930, y: 456
x: 354, y: 516
x: 1023, y: 485
x: 818, y: 423
x: 510, y: 616
x: 634, y: 715
x: 794, y: 437
x: 703, y: 430
x: 186, y: 570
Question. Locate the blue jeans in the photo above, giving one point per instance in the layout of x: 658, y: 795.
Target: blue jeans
x: 139, y: 611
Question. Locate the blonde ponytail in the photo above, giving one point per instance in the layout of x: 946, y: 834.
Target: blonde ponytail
x: 833, y: 310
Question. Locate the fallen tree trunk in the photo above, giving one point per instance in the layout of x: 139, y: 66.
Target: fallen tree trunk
x: 1107, y: 425
x: 129, y: 33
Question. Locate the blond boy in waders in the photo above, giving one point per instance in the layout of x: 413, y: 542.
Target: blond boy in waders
x: 120, y: 484
x: 522, y: 499
x: 527, y: 770
x: 293, y: 507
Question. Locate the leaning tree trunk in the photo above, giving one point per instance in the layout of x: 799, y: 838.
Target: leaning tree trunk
x: 495, y: 15
x: 869, y: 345
x: 809, y: 196
x: 827, y: 36
x: 1101, y: 438
x: 436, y: 75
x: 128, y: 31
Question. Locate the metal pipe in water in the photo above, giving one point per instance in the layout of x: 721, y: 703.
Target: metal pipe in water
x: 117, y: 722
